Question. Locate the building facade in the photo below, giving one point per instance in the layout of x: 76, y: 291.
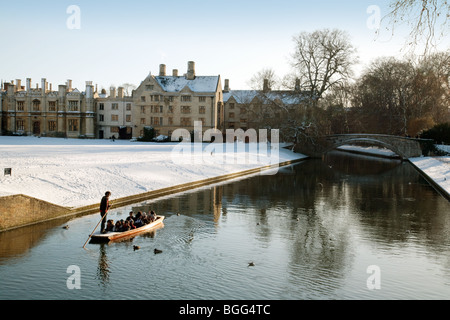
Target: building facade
x: 41, y: 111
x: 167, y: 103
x: 258, y: 109
x: 114, y: 115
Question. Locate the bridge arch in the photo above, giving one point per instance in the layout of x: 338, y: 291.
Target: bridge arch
x: 370, y: 141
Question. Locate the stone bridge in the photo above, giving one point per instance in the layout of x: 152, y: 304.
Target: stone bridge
x: 404, y: 147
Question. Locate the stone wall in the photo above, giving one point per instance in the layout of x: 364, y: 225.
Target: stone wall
x: 20, y: 210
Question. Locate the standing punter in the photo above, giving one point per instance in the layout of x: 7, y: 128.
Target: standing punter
x: 104, y: 207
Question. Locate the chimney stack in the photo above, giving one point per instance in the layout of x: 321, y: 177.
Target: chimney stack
x: 191, y: 71
x: 112, y: 92
x: 266, y: 87
x: 69, y: 85
x: 62, y: 89
x: 162, y: 70
x: 18, y: 85
x: 28, y: 84
x: 121, y: 92
x: 44, y: 86
x: 227, y: 85
x: 89, y: 90
x: 175, y: 72
x: 297, y: 84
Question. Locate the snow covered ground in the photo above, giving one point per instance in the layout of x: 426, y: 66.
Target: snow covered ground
x: 74, y: 173
x: 437, y: 168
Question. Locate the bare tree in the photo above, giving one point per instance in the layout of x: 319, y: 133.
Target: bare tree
x: 428, y: 20
x: 257, y: 81
x: 322, y: 59
x: 128, y: 87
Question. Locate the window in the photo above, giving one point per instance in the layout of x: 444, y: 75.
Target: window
x: 101, y: 117
x: 142, y: 120
x: 36, y: 105
x: 202, y: 110
x: 149, y: 87
x: 186, y: 98
x: 203, y: 120
x: 73, y: 106
x: 20, y: 125
x: 243, y: 110
x: 186, y: 122
x: 115, y: 106
x: 142, y: 109
x: 170, y: 121
x: 52, y: 106
x: 114, y: 118
x: 20, y: 105
x: 170, y: 109
x: 114, y: 129
x: 142, y: 99
x: 185, y: 109
x: 231, y: 115
x: 156, y: 98
x: 170, y: 98
x: 73, y: 125
x: 128, y: 106
x: 101, y: 106
x: 128, y: 118
x: 157, y: 109
x: 231, y: 105
x: 202, y: 99
x: 52, y: 125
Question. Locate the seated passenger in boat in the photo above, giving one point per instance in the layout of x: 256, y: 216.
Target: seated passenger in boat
x: 152, y: 216
x: 132, y: 226
x: 131, y: 216
x: 109, y: 226
x: 145, y: 218
x: 117, y: 226
x: 138, y: 221
x: 125, y: 226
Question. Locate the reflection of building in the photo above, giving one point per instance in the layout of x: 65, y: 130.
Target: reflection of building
x: 167, y: 103
x: 207, y: 201
x: 42, y: 111
x: 114, y: 115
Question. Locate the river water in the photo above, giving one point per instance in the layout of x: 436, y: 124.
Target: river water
x: 344, y: 227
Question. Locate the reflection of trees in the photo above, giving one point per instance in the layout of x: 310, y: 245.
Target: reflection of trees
x: 319, y: 204
x: 344, y: 193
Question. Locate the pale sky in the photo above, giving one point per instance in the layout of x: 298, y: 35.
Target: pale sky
x: 114, y: 42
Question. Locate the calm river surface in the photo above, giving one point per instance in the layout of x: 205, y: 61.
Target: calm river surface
x: 331, y: 229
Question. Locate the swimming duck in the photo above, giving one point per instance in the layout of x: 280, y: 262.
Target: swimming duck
x: 157, y: 251
x: 136, y: 248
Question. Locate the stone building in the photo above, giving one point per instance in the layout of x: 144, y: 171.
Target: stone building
x: 42, y: 111
x: 258, y: 109
x: 114, y: 115
x: 167, y: 103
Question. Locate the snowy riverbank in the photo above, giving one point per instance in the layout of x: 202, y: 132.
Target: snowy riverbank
x: 75, y: 173
x: 437, y: 169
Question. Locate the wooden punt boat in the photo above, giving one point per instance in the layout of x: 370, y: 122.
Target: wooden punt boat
x: 99, y: 237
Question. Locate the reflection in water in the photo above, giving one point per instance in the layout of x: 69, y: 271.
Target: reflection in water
x: 311, y: 231
x: 103, y: 270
